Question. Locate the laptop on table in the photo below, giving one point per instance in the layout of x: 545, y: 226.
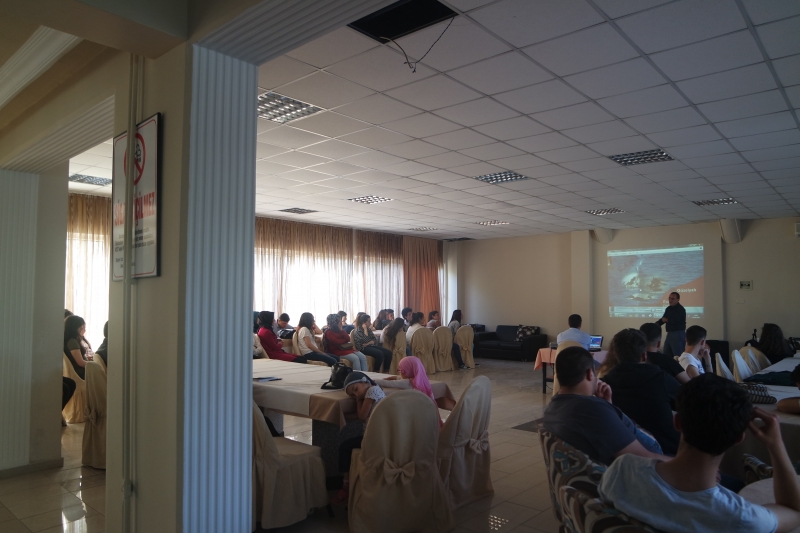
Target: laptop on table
x: 596, y: 343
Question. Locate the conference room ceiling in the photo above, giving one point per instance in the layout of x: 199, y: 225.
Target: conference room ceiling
x: 549, y: 90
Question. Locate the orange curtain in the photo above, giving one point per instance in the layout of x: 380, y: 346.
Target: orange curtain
x: 422, y: 264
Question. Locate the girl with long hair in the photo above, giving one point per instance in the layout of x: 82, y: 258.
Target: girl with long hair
x: 307, y: 343
x: 337, y: 342
x: 75, y: 344
x: 773, y: 344
x: 366, y: 342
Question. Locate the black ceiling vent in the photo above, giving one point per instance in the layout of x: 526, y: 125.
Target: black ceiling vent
x: 459, y: 239
x: 402, y: 18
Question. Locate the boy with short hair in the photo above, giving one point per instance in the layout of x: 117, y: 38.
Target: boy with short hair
x: 696, y: 358
x: 667, y: 363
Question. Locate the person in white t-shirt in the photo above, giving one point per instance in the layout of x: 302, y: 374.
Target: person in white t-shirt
x: 414, y: 324
x: 682, y: 495
x: 696, y: 359
x: 574, y: 332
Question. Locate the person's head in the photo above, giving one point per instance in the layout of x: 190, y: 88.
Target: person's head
x: 412, y: 369
x: 433, y: 315
x: 574, y: 366
x: 363, y: 319
x: 391, y: 331
x: 713, y: 413
x: 283, y: 320
x: 772, y: 340
x: 265, y: 319
x: 406, y: 313
x: 390, y: 314
x: 796, y: 376
x: 456, y: 316
x: 67, y: 313
x: 356, y: 384
x: 342, y: 318
x: 674, y: 298
x: 334, y: 322
x: 74, y: 328
x: 652, y: 334
x: 695, y: 336
x: 306, y: 321
x: 629, y: 346
x: 416, y: 318
x: 575, y: 321
x: 105, y: 329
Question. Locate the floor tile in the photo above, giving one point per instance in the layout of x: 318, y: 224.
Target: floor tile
x: 60, y: 517
x: 51, y: 503
x: 30, y: 495
x: 13, y: 526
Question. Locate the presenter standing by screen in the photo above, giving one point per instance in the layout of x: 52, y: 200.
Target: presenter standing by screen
x: 675, y: 319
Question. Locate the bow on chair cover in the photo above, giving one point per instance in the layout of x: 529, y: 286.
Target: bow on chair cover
x: 464, y: 338
x: 422, y: 348
x: 394, y: 487
x: 443, y: 349
x: 464, y: 458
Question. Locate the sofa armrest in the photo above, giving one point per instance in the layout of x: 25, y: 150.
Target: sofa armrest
x: 531, y: 346
x: 484, y: 336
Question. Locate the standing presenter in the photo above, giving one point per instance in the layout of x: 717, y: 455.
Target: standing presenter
x: 675, y: 319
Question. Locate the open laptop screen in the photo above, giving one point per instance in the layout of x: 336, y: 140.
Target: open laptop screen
x: 597, y: 342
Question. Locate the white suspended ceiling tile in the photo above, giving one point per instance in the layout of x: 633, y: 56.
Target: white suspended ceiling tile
x: 564, y: 155
x: 513, y: 128
x: 662, y: 166
x: 380, y: 69
x: 794, y: 96
x: 339, y: 183
x: 97, y: 172
x: 268, y: 168
x: 652, y: 100
x: 616, y: 79
x: 696, y: 134
x: 303, y: 175
x: 766, y: 154
x: 573, y: 116
x: 373, y: 159
x: 474, y: 170
x: 75, y: 168
x: 594, y: 47
x: 422, y: 125
x: 626, y: 145
x: 288, y: 137
x: 681, y: 23
x: 492, y: 151
x: 522, y: 22
x: 597, y: 163
x: 334, y: 149
x: 788, y: 69
x: 461, y: 183
x: 729, y: 84
x: 519, y: 162
x: 439, y: 177
x: 414, y: 149
x: 103, y: 149
x: 541, y: 97
x: 433, y: 93
x: 308, y: 189
x: 372, y: 176
x: 324, y: 90
x: 375, y: 137
x: 781, y: 38
x: 690, y: 151
x: 87, y: 158
x: 477, y: 112
x: 673, y: 119
x: 333, y: 47
x: 501, y: 73
x: 767, y: 140
x: 744, y: 106
x: 600, y: 132
x: 780, y: 164
x: 281, y: 71
x: 263, y: 125
x: 713, y: 161
x: 377, y: 109
x: 619, y: 8
x: 336, y: 168
x: 459, y: 139
x: 540, y: 143
x: 298, y: 159
x: 264, y: 150
x: 330, y: 124
x: 448, y: 159
x: 408, y: 168
x: 728, y: 170
x: 464, y: 42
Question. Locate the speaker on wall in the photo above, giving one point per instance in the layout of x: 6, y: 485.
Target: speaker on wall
x: 731, y: 230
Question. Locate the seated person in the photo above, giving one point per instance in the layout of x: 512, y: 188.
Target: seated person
x: 696, y: 358
x: 102, y: 351
x: 455, y: 322
x: 308, y: 345
x: 414, y: 325
x: 391, y: 332
x: 574, y: 332
x: 406, y: 315
x: 383, y: 319
x: 643, y: 391
x: 365, y: 342
x: 667, y: 363
x: 433, y: 320
x: 347, y: 328
x: 282, y: 326
x: 270, y: 343
x: 582, y: 413
x: 337, y: 343
x: 683, y: 494
x: 75, y: 344
x: 773, y: 344
x: 791, y: 405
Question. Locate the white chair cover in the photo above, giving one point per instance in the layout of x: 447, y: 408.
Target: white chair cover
x: 443, y: 349
x: 74, y: 411
x: 99, y: 361
x: 94, y: 431
x: 756, y: 358
x: 395, y: 486
x: 464, y: 457
x: 563, y: 345
x: 398, y: 350
x: 464, y: 338
x: 722, y: 369
x: 422, y: 347
x: 288, y: 477
x: 741, y: 370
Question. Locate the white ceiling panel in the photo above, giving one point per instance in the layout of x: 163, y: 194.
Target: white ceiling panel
x: 744, y: 106
x: 513, y: 128
x: 288, y: 137
x: 375, y: 137
x: 616, y: 79
x: 422, y: 125
x: 448, y: 159
x: 264, y: 150
x: 723, y: 53
x: 697, y: 134
x: 794, y: 96
x: 713, y: 161
x: 585, y: 165
x: 281, y: 71
x: 372, y: 176
x: 519, y: 162
x: 334, y: 149
x: 788, y: 69
x: 700, y: 149
x: 330, y: 124
x: 541, y: 97
x: 408, y: 168
x: 269, y: 168
x: 626, y: 145
x: 619, y: 8
x: 377, y: 109
x: 379, y: 69
x: 646, y: 101
x: 333, y: 47
x: 564, y: 155
x: 372, y: 159
x: 336, y: 168
x: 761, y: 12
x: 298, y: 159
x: 781, y: 38
x: 434, y: 93
x: 460, y: 139
x: 476, y: 169
x: 324, y: 90
x: 600, y: 132
x: 477, y: 112
x: 767, y: 140
x: 540, y: 143
x: 730, y: 84
x: 414, y: 149
x: 492, y: 151
x: 573, y: 116
x: 303, y: 176
x: 501, y: 73
x: 673, y: 119
x: 766, y: 154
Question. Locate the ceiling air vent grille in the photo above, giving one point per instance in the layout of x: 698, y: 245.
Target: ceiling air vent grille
x: 282, y: 109
x: 641, y: 158
x: 370, y: 199
x: 90, y: 180
x: 502, y: 177
x: 604, y: 212
x: 719, y: 201
x: 298, y: 211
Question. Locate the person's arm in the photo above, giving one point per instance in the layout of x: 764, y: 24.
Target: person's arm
x: 364, y: 406
x: 317, y: 331
x: 784, y: 479
x: 789, y: 405
x: 310, y: 344
x: 692, y: 371
x: 78, y: 358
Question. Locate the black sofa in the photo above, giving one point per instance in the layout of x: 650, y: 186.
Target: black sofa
x: 501, y: 344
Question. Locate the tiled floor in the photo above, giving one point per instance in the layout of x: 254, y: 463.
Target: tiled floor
x: 72, y: 498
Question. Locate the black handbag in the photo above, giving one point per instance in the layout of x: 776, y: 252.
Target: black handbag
x: 339, y: 372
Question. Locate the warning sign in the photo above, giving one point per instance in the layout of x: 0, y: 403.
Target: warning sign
x: 145, y: 243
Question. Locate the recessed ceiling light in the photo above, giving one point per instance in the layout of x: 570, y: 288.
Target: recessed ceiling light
x: 502, y: 177
x: 370, y: 199
x: 90, y: 180
x: 422, y: 228
x: 603, y: 212
x: 640, y: 158
x: 493, y: 223
x: 282, y: 109
x: 720, y: 201
x: 298, y: 211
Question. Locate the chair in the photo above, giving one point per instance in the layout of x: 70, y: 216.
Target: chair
x: 94, y: 432
x: 394, y: 484
x: 584, y: 513
x: 756, y: 359
x: 464, y: 338
x: 464, y: 457
x: 422, y: 347
x: 288, y: 477
x: 567, y: 466
x: 74, y: 411
x: 296, y: 351
x: 722, y: 369
x: 99, y: 361
x: 398, y: 350
x: 561, y: 346
x: 370, y: 359
x: 741, y: 370
x: 443, y: 349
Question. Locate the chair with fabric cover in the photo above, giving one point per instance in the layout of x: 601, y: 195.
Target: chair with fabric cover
x: 398, y: 350
x: 756, y: 358
x: 443, y: 349
x: 465, y: 336
x: 74, y: 411
x: 584, y: 513
x: 94, y: 431
x: 395, y: 486
x: 741, y: 370
x: 562, y: 346
x: 722, y: 369
x: 288, y: 477
x: 422, y: 348
x: 464, y: 457
x: 567, y: 466
x: 370, y: 359
x: 755, y: 469
x: 296, y: 351
x: 99, y: 361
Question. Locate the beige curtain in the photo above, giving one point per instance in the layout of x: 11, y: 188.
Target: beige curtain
x: 378, y: 261
x: 87, y: 272
x: 423, y: 264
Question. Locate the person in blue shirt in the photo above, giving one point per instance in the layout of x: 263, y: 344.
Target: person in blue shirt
x: 675, y: 319
x: 574, y: 332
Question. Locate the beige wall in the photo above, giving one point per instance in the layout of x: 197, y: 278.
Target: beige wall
x: 540, y: 280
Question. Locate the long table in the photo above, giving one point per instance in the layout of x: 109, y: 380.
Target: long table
x: 547, y: 356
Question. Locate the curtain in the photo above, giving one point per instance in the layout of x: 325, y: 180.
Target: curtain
x: 423, y: 265
x: 88, y: 260
x: 378, y: 261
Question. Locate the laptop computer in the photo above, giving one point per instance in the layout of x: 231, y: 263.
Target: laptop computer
x: 596, y: 344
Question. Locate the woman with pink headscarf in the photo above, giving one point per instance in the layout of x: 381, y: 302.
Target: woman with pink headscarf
x: 412, y: 372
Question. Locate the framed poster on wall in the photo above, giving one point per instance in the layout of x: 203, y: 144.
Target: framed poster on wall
x: 146, y: 203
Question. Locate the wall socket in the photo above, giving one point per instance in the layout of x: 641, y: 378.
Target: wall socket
x: 746, y: 285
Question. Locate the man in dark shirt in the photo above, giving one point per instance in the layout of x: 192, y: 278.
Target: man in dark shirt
x: 667, y: 363
x: 643, y: 391
x: 583, y: 416
x: 675, y: 319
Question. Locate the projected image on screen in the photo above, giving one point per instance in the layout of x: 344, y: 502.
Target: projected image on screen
x: 639, y: 281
